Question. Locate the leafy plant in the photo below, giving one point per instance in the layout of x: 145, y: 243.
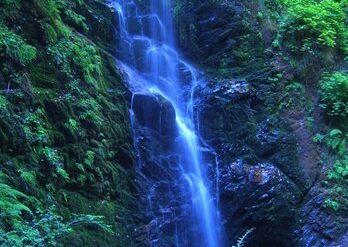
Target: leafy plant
x: 28, y: 177
x: 47, y: 230
x: 35, y: 128
x: 11, y: 205
x: 77, y: 52
x: 79, y: 20
x: 310, y: 24
x: 293, y: 96
x: 3, y: 102
x: 329, y: 203
x: 337, y: 182
x: 334, y: 94
x: 52, y: 158
x: 15, y: 47
x: 72, y: 125
x: 336, y: 140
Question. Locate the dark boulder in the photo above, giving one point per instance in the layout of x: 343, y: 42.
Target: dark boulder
x: 260, y: 197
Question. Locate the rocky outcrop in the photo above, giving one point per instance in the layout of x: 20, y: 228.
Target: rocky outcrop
x: 156, y: 113
x: 260, y: 182
x: 258, y: 196
x: 319, y: 227
x: 164, y: 207
x: 220, y: 35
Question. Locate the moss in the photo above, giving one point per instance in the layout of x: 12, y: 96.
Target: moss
x: 64, y: 127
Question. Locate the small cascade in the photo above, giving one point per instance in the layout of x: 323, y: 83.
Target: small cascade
x: 178, y: 197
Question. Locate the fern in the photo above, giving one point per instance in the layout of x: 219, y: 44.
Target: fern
x: 15, y: 47
x: 28, y: 177
x: 86, y: 219
x: 3, y: 102
x: 79, y: 20
x: 10, y: 204
x: 242, y: 240
x: 47, y: 230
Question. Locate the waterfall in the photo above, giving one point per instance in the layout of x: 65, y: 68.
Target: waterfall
x: 148, y: 55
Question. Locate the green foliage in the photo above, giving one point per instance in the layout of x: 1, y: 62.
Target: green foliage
x: 337, y: 182
x: 47, y: 230
x: 11, y: 205
x: 50, y: 9
x: 52, y: 158
x: 310, y: 24
x: 46, y: 62
x: 293, y: 96
x: 79, y: 20
x: 28, y: 177
x: 12, y: 3
x: 334, y: 94
x: 91, y: 111
x: 336, y: 140
x: 9, y: 8
x: 332, y: 204
x: 72, y: 125
x: 337, y: 178
x: 339, y: 173
x: 50, y: 32
x: 15, y: 47
x: 76, y: 52
x: 89, y: 160
x: 35, y: 128
x: 318, y: 138
x: 3, y: 103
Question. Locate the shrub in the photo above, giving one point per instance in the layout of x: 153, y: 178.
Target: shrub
x: 334, y: 94
x: 310, y: 24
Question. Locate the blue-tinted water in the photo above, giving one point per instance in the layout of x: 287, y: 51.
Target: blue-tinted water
x: 146, y: 44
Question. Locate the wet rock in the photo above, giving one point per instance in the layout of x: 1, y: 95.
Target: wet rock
x: 267, y: 138
x: 154, y: 112
x: 259, y: 196
x: 211, y: 30
x: 260, y: 184
x: 320, y: 227
x: 224, y: 105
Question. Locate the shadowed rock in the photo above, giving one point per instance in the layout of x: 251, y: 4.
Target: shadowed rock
x: 155, y: 112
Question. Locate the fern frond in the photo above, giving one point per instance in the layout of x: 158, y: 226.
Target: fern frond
x: 242, y: 240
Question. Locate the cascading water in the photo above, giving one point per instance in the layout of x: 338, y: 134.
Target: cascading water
x: 146, y: 44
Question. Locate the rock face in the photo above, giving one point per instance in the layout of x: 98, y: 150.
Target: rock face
x: 257, y: 187
x: 162, y: 202
x: 154, y: 112
x: 218, y: 34
x: 319, y: 227
x: 258, y: 196
x: 242, y: 121
x: 261, y: 182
